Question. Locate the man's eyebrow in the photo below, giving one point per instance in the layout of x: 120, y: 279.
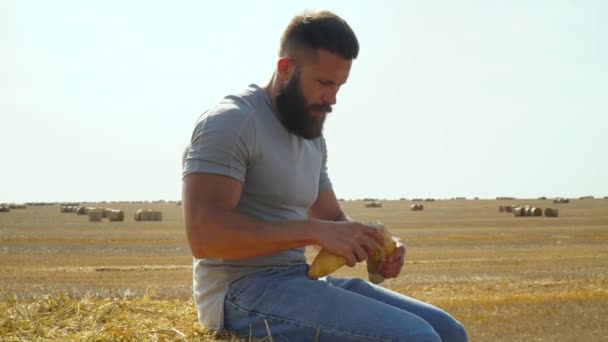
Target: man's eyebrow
x: 328, y: 81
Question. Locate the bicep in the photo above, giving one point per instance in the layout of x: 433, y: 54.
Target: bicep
x: 206, y: 193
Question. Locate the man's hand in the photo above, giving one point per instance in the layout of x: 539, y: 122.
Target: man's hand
x: 394, y: 262
x: 352, y: 240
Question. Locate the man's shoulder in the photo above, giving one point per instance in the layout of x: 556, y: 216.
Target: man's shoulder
x: 236, y: 108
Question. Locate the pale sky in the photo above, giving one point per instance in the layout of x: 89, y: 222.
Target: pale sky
x: 447, y: 98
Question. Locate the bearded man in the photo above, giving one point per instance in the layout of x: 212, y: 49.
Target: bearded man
x: 256, y: 192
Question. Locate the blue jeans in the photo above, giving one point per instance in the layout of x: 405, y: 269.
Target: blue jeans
x: 297, y: 308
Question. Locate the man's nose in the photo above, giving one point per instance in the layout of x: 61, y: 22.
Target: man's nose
x: 330, y: 97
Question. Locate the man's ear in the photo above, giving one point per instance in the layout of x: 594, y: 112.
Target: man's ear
x: 285, y: 68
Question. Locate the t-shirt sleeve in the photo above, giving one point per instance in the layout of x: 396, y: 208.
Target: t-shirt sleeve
x: 324, y: 181
x: 222, y: 143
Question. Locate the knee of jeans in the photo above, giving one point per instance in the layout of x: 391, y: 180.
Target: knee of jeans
x: 457, y: 333
x: 424, y: 334
x: 356, y: 283
x: 452, y: 330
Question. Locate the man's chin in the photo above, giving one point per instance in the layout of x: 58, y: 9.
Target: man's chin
x: 314, y: 133
x: 309, y: 134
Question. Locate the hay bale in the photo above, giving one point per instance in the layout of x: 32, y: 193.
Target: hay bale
x: 115, y: 215
x: 501, y: 208
x: 87, y: 209
x: 509, y: 208
x: 94, y: 215
x: 417, y: 207
x: 80, y: 211
x: 152, y: 215
x: 518, y: 212
x: 373, y: 205
x: 536, y: 212
x: 4, y: 209
x: 148, y: 215
x: 551, y: 212
x: 104, y: 212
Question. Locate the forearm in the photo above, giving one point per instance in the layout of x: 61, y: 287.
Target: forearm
x: 229, y: 234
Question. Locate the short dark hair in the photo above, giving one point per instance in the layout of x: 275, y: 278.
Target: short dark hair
x: 320, y: 30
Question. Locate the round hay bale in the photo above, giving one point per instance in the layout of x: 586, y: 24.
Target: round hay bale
x: 373, y: 205
x: 152, y: 215
x: 115, y: 215
x: 536, y: 212
x: 105, y: 212
x: 416, y: 207
x: 518, y: 212
x: 508, y: 208
x: 95, y: 215
x: 4, y: 209
x: 148, y: 215
x: 80, y: 211
x: 137, y: 215
x: 551, y: 212
x: 87, y: 209
x: 501, y: 209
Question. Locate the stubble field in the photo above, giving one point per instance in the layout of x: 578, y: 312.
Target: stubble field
x: 505, y: 278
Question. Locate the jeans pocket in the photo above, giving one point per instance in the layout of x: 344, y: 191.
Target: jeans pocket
x: 239, y: 286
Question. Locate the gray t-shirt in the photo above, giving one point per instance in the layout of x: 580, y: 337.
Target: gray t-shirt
x: 282, y: 175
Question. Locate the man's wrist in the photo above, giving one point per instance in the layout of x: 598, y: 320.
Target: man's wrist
x: 313, y: 233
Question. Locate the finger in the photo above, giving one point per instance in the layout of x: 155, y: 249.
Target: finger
x: 397, y: 254
x: 370, y: 245
x: 390, y: 271
x: 375, y: 234
x: 351, y: 260
x: 360, y: 253
x: 397, y: 263
x: 392, y: 274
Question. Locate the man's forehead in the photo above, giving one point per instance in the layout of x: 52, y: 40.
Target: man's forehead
x: 327, y: 64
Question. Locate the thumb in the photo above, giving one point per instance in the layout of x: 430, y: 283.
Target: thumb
x: 397, y: 253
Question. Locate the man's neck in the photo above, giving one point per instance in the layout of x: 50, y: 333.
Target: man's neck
x: 272, y: 89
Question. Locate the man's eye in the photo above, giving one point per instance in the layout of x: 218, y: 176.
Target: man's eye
x: 325, y: 83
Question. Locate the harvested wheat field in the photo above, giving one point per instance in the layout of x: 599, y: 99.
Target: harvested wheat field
x: 506, y: 278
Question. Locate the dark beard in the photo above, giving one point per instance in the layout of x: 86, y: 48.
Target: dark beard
x: 294, y: 111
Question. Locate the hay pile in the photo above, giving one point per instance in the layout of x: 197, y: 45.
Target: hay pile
x: 373, y: 204
x: 67, y: 318
x: 148, y: 215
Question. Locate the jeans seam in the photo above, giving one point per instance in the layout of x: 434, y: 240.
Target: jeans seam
x: 235, y: 289
x: 305, y: 324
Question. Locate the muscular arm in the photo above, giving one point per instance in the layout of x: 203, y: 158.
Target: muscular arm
x: 215, y: 229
